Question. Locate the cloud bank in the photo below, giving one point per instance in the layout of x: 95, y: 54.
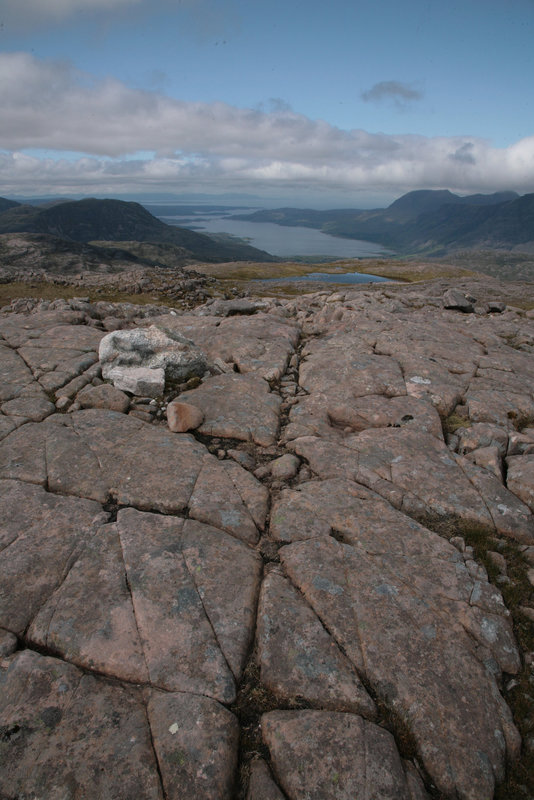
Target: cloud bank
x: 16, y: 11
x: 64, y: 132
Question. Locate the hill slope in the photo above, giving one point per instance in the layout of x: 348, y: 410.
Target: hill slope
x: 115, y: 220
x: 425, y: 221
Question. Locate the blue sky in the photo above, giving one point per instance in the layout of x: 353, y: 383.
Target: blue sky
x: 338, y: 103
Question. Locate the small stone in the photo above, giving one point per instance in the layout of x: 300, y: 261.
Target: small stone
x: 452, y: 441
x: 261, y: 784
x: 62, y: 403
x: 489, y: 458
x: 8, y: 643
x: 285, y: 468
x: 498, y: 560
x: 528, y: 612
x: 459, y: 543
x: 530, y: 576
x: 457, y: 301
x: 145, y: 416
x: 304, y: 474
x: 262, y: 472
x: 183, y: 417
x: 243, y: 458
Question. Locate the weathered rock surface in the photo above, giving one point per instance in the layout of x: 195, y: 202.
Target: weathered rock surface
x: 66, y: 733
x: 168, y: 599
x: 327, y: 756
x: 104, y: 396
x: 299, y: 658
x: 143, y: 381
x: 152, y: 348
x: 237, y: 407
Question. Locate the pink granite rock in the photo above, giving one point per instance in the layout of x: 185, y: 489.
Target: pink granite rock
x: 227, y: 575
x: 418, y: 663
x: 237, y: 407
x: 182, y: 417
x: 104, y: 396
x: 179, y: 644
x: 41, y: 536
x: 196, y: 742
x: 299, y: 660
x: 261, y: 784
x: 68, y: 734
x: 332, y: 756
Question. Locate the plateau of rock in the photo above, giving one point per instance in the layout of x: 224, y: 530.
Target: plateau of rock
x: 277, y: 592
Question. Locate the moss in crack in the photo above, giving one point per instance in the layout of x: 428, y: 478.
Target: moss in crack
x: 253, y: 700
x: 455, y: 421
x: 521, y: 421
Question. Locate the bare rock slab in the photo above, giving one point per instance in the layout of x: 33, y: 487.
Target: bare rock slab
x: 414, y: 471
x: 418, y: 663
x: 341, y: 364
x: 181, y: 651
x: 104, y: 396
x: 432, y: 566
x: 149, y: 600
x: 41, y: 536
x: 261, y: 785
x: 237, y: 407
x: 196, y: 741
x: 34, y: 408
x: 68, y: 734
x: 261, y: 344
x: 90, y: 619
x: 298, y: 657
x: 227, y: 576
x: 520, y: 477
x: 98, y: 453
x: 320, y: 755
x: 216, y: 501
x: 14, y: 374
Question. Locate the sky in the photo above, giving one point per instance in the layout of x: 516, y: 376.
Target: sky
x: 285, y: 102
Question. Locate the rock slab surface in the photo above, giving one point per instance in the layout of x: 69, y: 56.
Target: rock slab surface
x: 249, y: 598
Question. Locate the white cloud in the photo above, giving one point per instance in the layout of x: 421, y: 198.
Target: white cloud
x: 204, y: 18
x: 130, y: 140
x: 17, y: 11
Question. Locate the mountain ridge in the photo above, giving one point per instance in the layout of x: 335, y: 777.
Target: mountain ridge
x: 85, y: 221
x: 424, y: 221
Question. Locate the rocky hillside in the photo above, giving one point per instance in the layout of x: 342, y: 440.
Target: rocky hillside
x: 115, y: 220
x: 269, y: 548
x: 426, y: 222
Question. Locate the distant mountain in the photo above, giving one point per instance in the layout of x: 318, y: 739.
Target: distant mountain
x: 7, y: 204
x: 425, y: 222
x: 502, y: 225
x: 117, y: 221
x: 424, y: 201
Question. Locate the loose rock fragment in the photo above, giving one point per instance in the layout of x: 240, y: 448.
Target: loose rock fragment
x: 182, y: 417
